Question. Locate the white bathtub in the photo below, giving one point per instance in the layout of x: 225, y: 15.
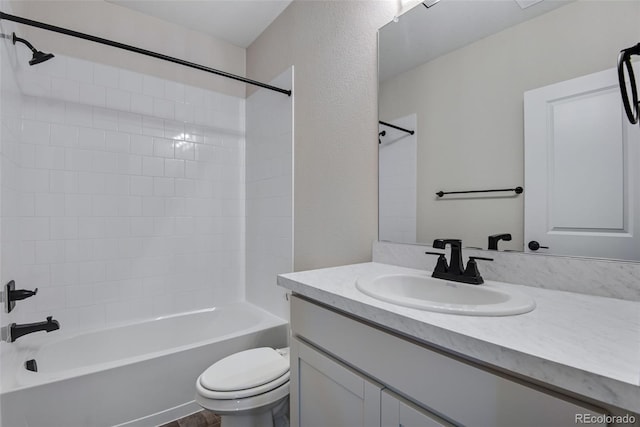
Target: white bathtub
x: 140, y: 374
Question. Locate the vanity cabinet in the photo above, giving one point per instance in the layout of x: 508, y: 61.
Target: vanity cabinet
x: 339, y: 396
x: 336, y: 395
x: 346, y: 372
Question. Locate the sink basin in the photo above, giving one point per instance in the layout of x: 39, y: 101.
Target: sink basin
x: 426, y: 293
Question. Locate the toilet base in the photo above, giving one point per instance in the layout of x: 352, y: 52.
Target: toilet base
x: 277, y: 416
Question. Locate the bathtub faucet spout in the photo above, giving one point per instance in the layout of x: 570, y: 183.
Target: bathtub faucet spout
x: 16, y: 331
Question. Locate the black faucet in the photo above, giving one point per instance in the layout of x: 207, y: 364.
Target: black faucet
x: 495, y: 238
x: 455, y: 270
x: 456, y: 265
x: 16, y: 331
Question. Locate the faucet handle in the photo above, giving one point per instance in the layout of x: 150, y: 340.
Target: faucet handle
x: 11, y: 295
x: 472, y: 269
x: 441, y: 265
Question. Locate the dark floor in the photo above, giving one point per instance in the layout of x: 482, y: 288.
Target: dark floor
x: 203, y: 418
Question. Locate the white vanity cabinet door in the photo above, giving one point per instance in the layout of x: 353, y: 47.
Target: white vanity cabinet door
x: 326, y: 393
x: 397, y: 412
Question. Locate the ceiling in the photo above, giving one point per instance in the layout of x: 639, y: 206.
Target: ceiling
x: 423, y: 34
x: 239, y: 22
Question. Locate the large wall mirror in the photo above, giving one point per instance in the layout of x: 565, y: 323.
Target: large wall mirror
x: 481, y: 95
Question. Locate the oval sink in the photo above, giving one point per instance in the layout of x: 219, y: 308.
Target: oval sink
x: 427, y: 293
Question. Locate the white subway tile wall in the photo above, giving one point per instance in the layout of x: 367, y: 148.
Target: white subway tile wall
x: 16, y: 209
x: 122, y: 193
x: 269, y: 195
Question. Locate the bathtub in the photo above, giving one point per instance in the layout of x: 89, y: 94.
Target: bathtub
x: 141, y: 374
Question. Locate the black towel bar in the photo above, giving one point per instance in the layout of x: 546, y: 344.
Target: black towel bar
x: 410, y: 132
x: 517, y: 190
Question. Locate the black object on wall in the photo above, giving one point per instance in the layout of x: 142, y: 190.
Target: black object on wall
x: 134, y: 49
x: 410, y: 132
x: 495, y: 238
x: 11, y: 295
x: 380, y: 135
x: 632, y: 105
x: 517, y: 190
x: 534, y: 246
x: 38, y: 56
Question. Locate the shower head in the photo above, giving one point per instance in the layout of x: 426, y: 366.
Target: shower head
x: 381, y: 134
x: 38, y: 56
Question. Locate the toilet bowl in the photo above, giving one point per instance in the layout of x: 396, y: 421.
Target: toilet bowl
x: 248, y: 389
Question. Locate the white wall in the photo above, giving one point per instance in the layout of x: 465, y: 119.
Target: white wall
x: 269, y: 195
x: 481, y: 145
x: 130, y: 196
x: 332, y: 45
x: 110, y: 21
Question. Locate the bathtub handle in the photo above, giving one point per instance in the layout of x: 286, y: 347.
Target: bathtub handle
x: 12, y: 295
x: 22, y: 294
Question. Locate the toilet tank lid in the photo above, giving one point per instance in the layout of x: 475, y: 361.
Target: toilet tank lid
x: 246, y: 369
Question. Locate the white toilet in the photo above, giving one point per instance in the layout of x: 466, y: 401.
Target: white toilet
x: 248, y: 389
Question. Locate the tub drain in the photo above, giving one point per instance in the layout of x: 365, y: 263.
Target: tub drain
x: 31, y: 365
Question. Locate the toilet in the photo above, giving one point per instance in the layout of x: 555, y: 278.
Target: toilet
x: 248, y: 389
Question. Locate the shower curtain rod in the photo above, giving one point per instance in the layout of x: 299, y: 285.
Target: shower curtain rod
x: 130, y: 48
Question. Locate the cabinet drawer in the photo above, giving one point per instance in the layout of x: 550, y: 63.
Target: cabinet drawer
x: 453, y: 389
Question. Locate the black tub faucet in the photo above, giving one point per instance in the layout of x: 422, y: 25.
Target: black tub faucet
x: 15, y: 331
x: 495, y: 238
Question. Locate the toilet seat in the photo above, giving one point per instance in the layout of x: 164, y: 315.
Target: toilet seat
x: 247, y: 384
x: 242, y: 394
x: 245, y: 374
x: 249, y: 405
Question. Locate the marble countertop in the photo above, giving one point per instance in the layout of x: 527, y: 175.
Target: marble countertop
x: 586, y: 344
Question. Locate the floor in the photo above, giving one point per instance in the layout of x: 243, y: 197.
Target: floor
x: 203, y: 418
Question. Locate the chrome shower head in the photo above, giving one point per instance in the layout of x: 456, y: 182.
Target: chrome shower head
x: 38, y: 56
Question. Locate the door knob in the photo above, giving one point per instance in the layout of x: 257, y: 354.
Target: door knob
x: 534, y: 246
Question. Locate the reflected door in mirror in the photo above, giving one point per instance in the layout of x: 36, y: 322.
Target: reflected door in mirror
x: 581, y: 169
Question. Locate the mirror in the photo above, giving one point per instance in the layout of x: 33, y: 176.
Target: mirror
x: 501, y: 94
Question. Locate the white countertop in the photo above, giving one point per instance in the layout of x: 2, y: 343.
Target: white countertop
x: 585, y: 344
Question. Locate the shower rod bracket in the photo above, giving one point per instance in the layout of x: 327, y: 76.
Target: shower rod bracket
x: 134, y: 49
